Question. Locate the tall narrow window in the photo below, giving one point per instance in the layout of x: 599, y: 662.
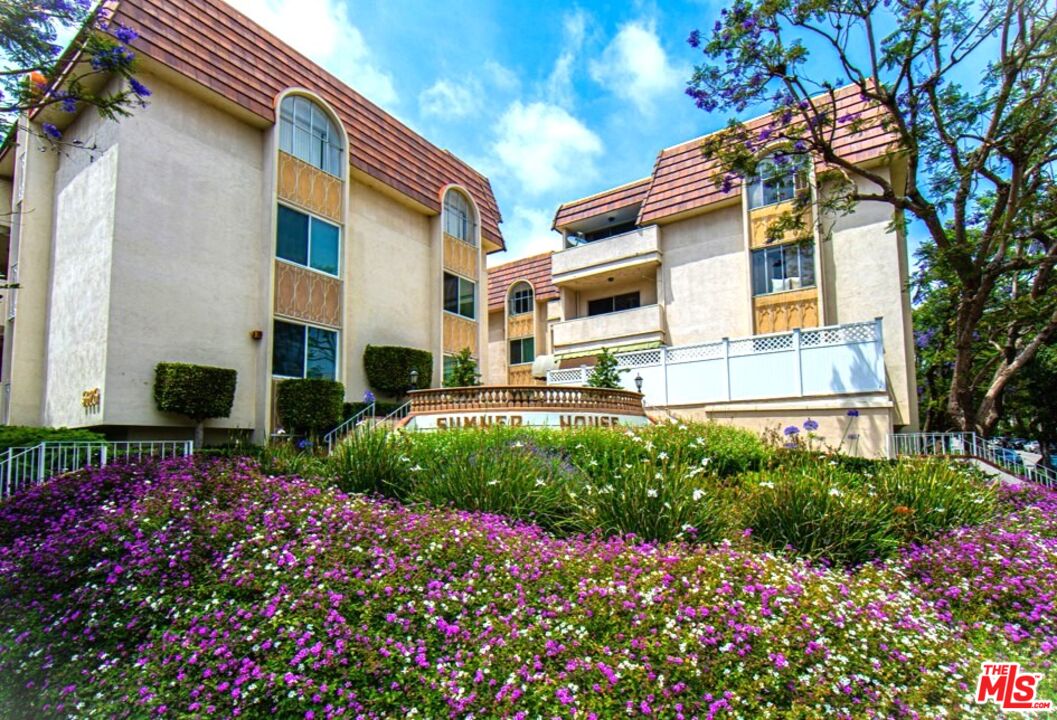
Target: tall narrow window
x: 460, y: 296
x: 458, y: 217
x: 521, y: 297
x: 777, y: 180
x: 307, y: 240
x: 306, y: 132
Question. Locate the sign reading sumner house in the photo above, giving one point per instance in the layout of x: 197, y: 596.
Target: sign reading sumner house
x: 531, y: 406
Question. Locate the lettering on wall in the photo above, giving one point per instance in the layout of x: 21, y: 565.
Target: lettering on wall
x: 91, y: 400
x: 467, y: 421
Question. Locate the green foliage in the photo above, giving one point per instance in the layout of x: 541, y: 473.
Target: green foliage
x: 21, y: 435
x: 310, y: 405
x: 818, y: 515
x: 478, y: 470
x: 195, y: 391
x: 29, y: 32
x: 851, y: 511
x: 930, y: 496
x: 389, y: 367
x: 284, y: 458
x: 372, y: 461
x: 605, y: 373
x: 463, y: 370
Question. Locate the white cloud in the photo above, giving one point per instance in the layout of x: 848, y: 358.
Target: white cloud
x: 321, y: 30
x: 501, y: 76
x: 527, y: 231
x: 635, y: 67
x: 559, y: 85
x: 544, y: 147
x: 451, y: 99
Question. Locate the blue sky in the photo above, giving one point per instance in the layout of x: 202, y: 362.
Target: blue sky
x: 552, y: 101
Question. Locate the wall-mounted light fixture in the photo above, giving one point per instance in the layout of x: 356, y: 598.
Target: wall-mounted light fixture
x: 256, y: 334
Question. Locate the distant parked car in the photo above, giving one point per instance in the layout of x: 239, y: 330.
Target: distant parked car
x: 1032, y: 446
x: 1007, y: 456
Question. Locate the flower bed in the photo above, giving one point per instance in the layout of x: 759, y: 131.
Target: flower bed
x: 208, y: 589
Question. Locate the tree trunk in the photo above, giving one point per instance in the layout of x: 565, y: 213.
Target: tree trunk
x: 200, y: 434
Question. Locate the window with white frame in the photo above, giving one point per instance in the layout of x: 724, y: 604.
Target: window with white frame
x: 304, y: 351
x: 778, y: 177
x: 783, y: 267
x: 522, y: 351
x: 458, y: 217
x: 521, y: 297
x: 306, y: 132
x: 307, y: 240
x: 460, y: 296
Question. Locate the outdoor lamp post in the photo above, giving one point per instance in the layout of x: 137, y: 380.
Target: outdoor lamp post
x: 638, y: 381
x: 414, y: 378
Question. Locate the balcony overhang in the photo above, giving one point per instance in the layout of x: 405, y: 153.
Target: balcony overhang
x: 588, y: 335
x: 620, y: 257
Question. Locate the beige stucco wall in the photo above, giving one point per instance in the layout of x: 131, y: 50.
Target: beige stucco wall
x: 24, y: 338
x: 185, y: 277
x: 392, y: 285
x: 79, y: 298
x: 497, y: 353
x: 705, y: 278
x: 865, y: 266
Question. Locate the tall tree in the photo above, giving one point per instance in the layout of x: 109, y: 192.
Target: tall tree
x: 966, y: 93
x: 36, y: 73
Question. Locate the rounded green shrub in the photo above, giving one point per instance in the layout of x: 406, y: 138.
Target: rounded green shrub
x: 388, y: 368
x: 198, y: 392
x: 310, y: 405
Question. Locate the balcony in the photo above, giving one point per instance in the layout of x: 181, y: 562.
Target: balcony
x: 581, y: 265
x: 638, y: 325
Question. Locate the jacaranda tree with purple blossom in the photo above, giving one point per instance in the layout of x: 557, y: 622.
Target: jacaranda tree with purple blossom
x: 967, y: 90
x: 35, y: 72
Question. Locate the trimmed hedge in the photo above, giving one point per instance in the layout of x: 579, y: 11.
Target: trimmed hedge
x: 195, y: 391
x: 388, y: 368
x: 21, y: 435
x: 311, y: 405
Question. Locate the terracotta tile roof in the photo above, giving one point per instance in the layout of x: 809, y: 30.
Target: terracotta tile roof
x: 213, y: 44
x: 535, y: 269
x: 683, y: 176
x: 623, y: 196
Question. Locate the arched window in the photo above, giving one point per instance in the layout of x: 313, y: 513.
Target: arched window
x: 778, y: 177
x: 521, y: 297
x: 306, y: 132
x: 458, y: 217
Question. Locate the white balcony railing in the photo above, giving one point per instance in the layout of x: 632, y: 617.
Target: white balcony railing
x: 833, y: 360
x: 638, y: 247
x: 641, y: 324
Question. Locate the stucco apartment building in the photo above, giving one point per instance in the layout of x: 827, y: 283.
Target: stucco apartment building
x: 677, y: 276
x: 258, y: 214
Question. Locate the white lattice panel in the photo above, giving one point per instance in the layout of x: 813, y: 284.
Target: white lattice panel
x: 565, y: 377
x: 762, y: 344
x: 690, y: 353
x: 842, y: 335
x: 641, y: 358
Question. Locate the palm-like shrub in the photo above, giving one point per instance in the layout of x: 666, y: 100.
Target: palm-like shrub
x: 930, y: 496
x: 372, y: 461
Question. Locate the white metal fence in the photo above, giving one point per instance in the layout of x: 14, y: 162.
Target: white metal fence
x: 830, y: 360
x: 969, y: 445
x: 22, y: 467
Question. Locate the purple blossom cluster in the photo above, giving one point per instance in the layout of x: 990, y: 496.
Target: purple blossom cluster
x: 204, y: 588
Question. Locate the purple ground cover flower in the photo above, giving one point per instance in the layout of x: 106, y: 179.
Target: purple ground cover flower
x: 203, y: 588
